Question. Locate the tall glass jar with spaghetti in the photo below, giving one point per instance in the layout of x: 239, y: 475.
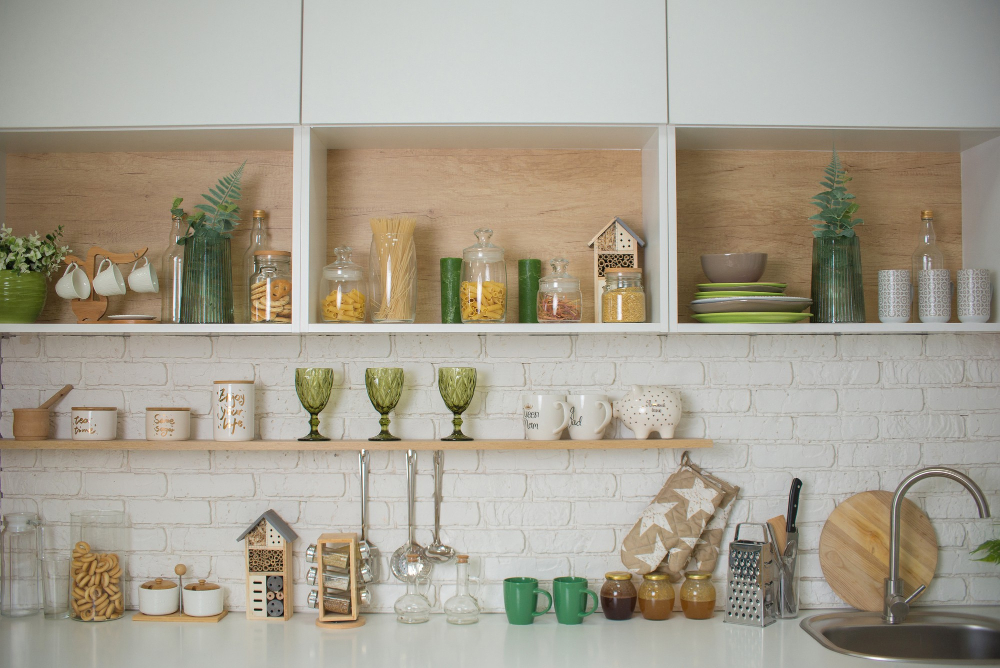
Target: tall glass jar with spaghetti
x: 98, y: 571
x: 392, y: 271
x: 483, y: 293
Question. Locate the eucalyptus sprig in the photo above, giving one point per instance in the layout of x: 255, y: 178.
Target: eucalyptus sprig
x: 992, y: 550
x: 221, y: 215
x: 31, y: 252
x: 836, y: 205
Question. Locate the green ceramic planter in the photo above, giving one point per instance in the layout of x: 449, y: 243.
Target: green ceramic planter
x: 22, y: 296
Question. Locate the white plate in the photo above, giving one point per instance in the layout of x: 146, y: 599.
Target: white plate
x: 776, y: 298
x: 131, y: 317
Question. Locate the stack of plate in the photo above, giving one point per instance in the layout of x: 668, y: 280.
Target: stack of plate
x: 748, y: 303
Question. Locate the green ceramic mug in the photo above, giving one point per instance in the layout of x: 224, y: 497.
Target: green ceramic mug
x: 520, y: 599
x: 570, y: 594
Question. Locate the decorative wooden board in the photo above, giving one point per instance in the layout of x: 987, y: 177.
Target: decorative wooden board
x: 854, y: 549
x: 178, y: 617
x: 742, y: 201
x: 606, y: 444
x: 539, y: 203
x: 121, y: 201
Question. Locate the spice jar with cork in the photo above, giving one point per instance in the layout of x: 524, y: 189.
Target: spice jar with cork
x: 618, y: 595
x: 698, y: 595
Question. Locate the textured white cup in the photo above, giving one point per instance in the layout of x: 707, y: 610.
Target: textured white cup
x: 895, y: 295
x: 234, y: 410
x: 159, y: 601
x: 975, y: 294
x: 935, y: 295
x: 168, y: 424
x: 94, y: 424
x: 545, y: 416
x: 203, y: 603
x: 74, y: 283
x: 589, y: 416
x: 143, y: 279
x: 109, y: 282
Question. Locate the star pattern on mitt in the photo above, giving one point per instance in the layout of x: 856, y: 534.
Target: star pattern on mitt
x: 654, y: 558
x: 699, y: 498
x: 656, y: 515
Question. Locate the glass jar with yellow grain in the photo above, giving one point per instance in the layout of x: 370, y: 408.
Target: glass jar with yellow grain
x: 623, y: 299
x: 343, y: 288
x: 483, y: 292
x: 698, y: 595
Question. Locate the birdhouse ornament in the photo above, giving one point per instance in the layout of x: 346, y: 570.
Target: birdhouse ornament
x: 268, y: 550
x: 615, y: 246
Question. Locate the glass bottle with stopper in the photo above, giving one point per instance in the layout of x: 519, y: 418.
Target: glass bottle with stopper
x: 462, y: 608
x: 927, y: 255
x: 173, y: 272
x: 258, y: 242
x: 412, y: 607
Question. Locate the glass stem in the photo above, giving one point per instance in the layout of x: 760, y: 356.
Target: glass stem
x: 384, y: 422
x: 314, y: 424
x: 457, y: 424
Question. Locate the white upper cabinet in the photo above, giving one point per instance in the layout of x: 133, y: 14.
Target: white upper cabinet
x: 484, y: 61
x: 884, y: 63
x: 101, y: 63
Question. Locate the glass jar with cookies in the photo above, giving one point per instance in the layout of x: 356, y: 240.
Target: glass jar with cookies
x: 271, y: 287
x: 483, y: 292
x: 345, y: 296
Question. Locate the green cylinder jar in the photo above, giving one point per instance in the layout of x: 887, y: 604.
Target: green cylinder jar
x: 451, y: 282
x: 528, y: 273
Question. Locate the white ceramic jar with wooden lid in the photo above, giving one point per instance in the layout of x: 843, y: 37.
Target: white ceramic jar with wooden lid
x: 203, y: 599
x: 94, y: 424
x: 159, y: 597
x: 234, y: 412
x: 168, y: 424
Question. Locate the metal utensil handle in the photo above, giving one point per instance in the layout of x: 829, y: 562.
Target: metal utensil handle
x: 438, y: 471
x: 411, y: 493
x: 363, y: 457
x: 760, y: 525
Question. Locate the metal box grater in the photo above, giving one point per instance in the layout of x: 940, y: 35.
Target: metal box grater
x: 752, y: 596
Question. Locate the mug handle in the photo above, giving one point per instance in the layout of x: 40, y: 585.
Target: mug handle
x: 537, y: 613
x: 565, y: 422
x: 593, y: 596
x: 607, y: 417
x: 135, y: 264
x: 100, y: 267
x: 70, y: 267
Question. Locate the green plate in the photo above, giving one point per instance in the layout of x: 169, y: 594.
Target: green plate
x: 755, y: 318
x: 732, y: 293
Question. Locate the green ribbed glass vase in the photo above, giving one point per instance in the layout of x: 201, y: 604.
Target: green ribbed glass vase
x: 207, y: 292
x: 837, y: 291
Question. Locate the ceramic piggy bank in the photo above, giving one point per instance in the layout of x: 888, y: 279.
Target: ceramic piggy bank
x: 649, y: 408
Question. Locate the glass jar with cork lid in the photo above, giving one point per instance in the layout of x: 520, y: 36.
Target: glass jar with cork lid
x: 623, y: 299
x: 271, y: 287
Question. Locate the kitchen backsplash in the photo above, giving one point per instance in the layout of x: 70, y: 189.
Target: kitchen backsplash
x: 844, y: 413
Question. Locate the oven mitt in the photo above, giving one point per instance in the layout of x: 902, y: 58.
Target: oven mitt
x: 674, y: 522
x: 706, y: 550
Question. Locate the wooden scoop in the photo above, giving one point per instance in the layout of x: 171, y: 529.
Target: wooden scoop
x: 56, y: 397
x: 32, y: 424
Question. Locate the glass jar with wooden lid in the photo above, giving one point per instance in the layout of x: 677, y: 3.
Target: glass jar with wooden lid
x: 618, y: 595
x: 271, y: 287
x: 623, y: 299
x: 698, y: 595
x: 656, y: 596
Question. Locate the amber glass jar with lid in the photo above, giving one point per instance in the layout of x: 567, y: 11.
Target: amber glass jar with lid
x: 483, y: 292
x: 271, y: 287
x: 559, y: 296
x: 656, y: 596
x: 345, y: 289
x: 623, y: 299
x: 698, y: 595
x: 618, y: 595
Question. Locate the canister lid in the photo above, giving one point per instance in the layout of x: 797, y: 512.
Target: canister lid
x: 93, y: 408
x: 559, y: 280
x: 343, y: 269
x: 158, y: 583
x: 656, y: 577
x: 926, y: 213
x: 160, y: 408
x: 628, y: 271
x: 234, y: 382
x: 698, y: 575
x: 276, y: 253
x: 483, y: 250
x: 618, y: 575
x: 201, y: 585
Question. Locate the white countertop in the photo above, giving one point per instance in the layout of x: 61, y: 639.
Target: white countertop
x: 235, y: 642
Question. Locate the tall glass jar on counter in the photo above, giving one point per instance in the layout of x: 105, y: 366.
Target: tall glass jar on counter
x: 559, y: 296
x: 483, y: 292
x: 99, y: 568
x: 271, y: 287
x: 624, y: 299
x: 344, y: 289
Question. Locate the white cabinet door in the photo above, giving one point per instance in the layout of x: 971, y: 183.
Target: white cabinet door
x: 883, y: 63
x: 484, y: 61
x: 73, y: 63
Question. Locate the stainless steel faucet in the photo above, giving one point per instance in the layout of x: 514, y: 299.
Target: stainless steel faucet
x: 897, y: 605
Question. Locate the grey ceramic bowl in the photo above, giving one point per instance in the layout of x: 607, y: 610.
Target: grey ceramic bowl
x: 734, y: 267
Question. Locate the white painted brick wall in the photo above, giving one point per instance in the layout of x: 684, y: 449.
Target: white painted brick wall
x: 844, y: 413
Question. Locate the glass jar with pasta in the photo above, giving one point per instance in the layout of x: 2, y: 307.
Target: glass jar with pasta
x: 483, y: 293
x: 623, y: 299
x: 343, y: 289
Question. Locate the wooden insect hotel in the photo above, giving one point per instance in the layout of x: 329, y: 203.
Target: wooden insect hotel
x: 615, y: 246
x: 268, y: 551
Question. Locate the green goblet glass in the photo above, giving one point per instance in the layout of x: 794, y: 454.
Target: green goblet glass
x: 457, y: 384
x: 384, y: 387
x: 313, y: 387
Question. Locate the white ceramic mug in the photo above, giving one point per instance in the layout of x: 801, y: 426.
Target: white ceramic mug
x: 143, y: 279
x: 74, y: 283
x: 935, y: 295
x: 545, y: 416
x: 589, y: 416
x: 895, y: 295
x: 234, y: 410
x: 975, y: 294
x: 94, y: 424
x: 168, y: 424
x: 109, y: 281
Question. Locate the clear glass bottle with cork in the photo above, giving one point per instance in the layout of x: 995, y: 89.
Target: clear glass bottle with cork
x: 927, y: 255
x: 258, y: 242
x: 462, y: 608
x: 173, y: 272
x: 412, y: 607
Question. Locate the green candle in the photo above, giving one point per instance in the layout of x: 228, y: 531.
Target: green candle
x: 528, y: 272
x: 451, y: 281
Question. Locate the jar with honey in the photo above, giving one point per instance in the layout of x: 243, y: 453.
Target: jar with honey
x: 698, y: 595
x: 656, y: 596
x: 618, y: 595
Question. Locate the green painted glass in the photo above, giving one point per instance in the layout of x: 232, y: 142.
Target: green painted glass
x: 207, y: 289
x: 384, y: 385
x: 313, y: 387
x: 837, y: 291
x: 22, y: 296
x: 457, y: 384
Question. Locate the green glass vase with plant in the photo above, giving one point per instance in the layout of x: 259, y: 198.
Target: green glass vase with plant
x: 207, y: 283
x: 837, y: 290
x: 25, y: 262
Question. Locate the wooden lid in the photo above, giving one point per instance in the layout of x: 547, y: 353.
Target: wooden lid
x: 160, y: 408
x: 158, y: 583
x: 273, y: 252
x: 93, y: 408
x: 227, y: 382
x: 201, y: 585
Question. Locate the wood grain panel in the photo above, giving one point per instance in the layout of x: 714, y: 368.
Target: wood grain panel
x: 742, y: 201
x: 540, y: 204
x: 121, y: 201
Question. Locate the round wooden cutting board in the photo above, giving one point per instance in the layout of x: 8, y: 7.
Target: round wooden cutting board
x: 854, y: 549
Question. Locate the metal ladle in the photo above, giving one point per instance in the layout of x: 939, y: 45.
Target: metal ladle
x: 370, y: 554
x: 398, y: 560
x: 436, y: 551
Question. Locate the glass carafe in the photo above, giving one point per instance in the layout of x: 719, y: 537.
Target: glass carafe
x: 173, y: 273
x: 462, y: 608
x: 412, y: 607
x: 483, y: 293
x: 20, y: 584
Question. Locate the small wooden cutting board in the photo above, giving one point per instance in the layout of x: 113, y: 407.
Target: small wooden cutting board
x: 854, y: 549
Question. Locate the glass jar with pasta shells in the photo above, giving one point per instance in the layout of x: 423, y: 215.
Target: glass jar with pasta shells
x: 623, y: 299
x: 483, y: 293
x: 559, y: 296
x: 271, y: 287
x: 344, y: 289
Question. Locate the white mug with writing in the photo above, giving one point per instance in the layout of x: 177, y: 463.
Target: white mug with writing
x: 234, y: 410
x: 545, y: 416
x: 168, y: 424
x: 589, y: 416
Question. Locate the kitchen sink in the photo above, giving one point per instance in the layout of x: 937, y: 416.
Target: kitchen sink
x: 933, y: 637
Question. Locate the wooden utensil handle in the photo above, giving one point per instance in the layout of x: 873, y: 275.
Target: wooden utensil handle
x: 56, y: 397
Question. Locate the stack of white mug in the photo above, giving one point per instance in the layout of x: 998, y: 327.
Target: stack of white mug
x: 546, y: 416
x: 934, y: 286
x: 108, y: 281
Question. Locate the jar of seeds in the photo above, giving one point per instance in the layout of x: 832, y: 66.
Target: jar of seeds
x: 623, y: 299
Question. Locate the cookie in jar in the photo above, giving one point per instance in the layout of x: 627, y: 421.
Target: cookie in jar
x: 271, y: 287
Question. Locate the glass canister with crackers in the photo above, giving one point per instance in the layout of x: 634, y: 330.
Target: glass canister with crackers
x: 271, y: 287
x: 98, y: 570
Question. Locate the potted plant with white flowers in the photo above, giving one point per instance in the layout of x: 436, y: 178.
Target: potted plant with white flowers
x: 25, y: 262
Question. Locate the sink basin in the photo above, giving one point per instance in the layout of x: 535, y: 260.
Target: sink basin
x: 933, y: 637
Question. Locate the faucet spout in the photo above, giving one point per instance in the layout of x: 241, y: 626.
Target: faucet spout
x: 896, y: 604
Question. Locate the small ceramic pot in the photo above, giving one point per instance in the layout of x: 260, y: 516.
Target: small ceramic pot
x: 158, y: 597
x: 168, y: 424
x: 203, y: 599
x: 94, y: 424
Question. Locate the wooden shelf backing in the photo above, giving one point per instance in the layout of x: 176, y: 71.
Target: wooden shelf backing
x: 604, y: 444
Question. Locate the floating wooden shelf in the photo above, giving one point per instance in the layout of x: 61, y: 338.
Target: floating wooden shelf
x: 606, y: 444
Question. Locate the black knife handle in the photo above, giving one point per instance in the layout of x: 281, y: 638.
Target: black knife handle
x: 793, y: 505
